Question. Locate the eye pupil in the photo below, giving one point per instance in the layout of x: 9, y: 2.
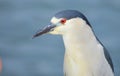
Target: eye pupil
x: 63, y: 21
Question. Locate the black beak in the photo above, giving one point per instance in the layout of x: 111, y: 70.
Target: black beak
x: 44, y: 30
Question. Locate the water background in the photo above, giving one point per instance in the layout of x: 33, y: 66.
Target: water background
x: 20, y: 19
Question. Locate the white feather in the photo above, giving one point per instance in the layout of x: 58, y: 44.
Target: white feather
x: 84, y: 56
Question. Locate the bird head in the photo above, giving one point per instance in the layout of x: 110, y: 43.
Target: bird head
x: 65, y: 22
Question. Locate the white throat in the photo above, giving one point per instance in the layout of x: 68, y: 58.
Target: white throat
x: 80, y: 37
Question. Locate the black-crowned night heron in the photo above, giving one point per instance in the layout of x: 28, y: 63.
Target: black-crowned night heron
x: 85, y: 55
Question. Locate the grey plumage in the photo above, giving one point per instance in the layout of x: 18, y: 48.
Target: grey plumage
x: 69, y: 14
x: 107, y: 56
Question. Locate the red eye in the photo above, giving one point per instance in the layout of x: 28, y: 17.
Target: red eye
x: 63, y: 21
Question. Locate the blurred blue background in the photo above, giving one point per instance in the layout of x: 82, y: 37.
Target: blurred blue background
x: 20, y: 19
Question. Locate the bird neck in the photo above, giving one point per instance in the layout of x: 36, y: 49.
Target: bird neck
x: 82, y: 40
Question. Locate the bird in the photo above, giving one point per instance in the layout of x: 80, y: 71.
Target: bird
x: 84, y: 54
